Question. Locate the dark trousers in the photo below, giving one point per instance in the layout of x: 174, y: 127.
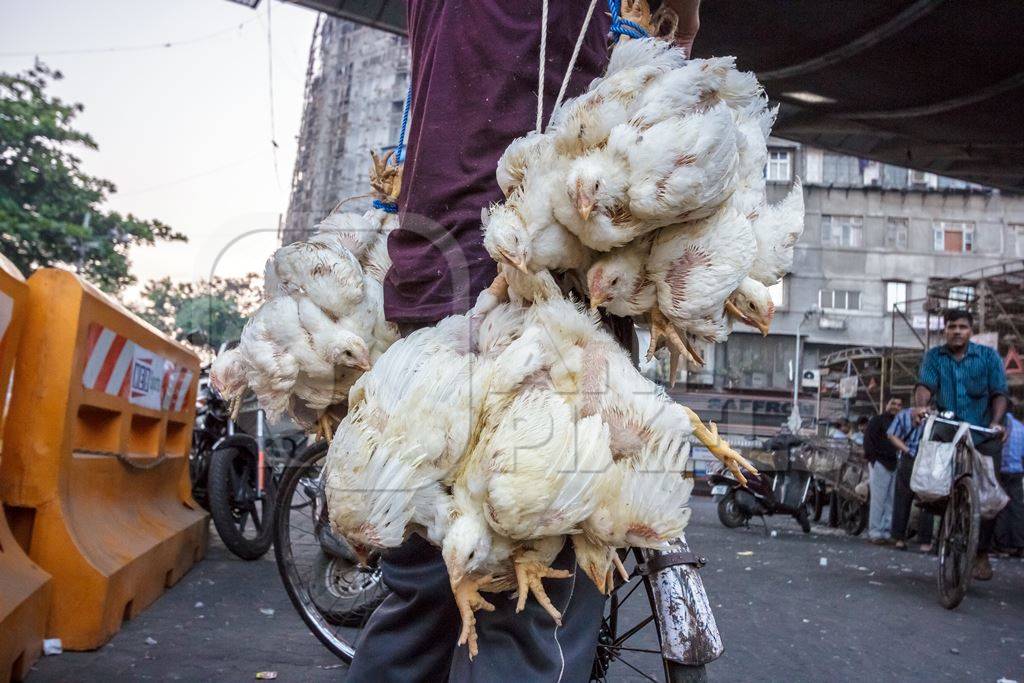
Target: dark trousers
x: 1009, y: 532
x: 411, y: 636
x: 904, y: 499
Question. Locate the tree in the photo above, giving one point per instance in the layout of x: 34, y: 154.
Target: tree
x: 49, y: 208
x: 218, y: 308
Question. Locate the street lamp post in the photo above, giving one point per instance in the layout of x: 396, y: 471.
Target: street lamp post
x: 794, y: 417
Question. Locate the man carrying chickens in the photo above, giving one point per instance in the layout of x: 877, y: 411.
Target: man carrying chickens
x: 474, y: 71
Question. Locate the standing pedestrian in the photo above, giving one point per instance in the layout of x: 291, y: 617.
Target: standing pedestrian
x: 882, y: 459
x: 905, y: 434
x: 1009, y: 532
x: 967, y: 379
x: 840, y: 430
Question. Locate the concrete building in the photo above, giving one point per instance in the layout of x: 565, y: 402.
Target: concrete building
x: 874, y: 236
x: 356, y: 84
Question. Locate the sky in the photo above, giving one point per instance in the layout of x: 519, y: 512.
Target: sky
x: 183, y: 131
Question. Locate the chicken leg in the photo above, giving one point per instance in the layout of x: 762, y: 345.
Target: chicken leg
x: 469, y: 600
x: 528, y: 577
x: 664, y: 332
x: 719, y: 447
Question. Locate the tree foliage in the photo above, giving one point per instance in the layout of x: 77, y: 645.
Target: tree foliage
x: 50, y: 211
x: 218, y: 308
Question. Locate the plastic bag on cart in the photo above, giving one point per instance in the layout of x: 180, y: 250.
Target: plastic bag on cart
x: 932, y: 477
x: 991, y: 496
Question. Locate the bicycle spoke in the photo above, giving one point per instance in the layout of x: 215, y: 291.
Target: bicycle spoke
x: 620, y: 648
x: 648, y: 677
x: 633, y: 631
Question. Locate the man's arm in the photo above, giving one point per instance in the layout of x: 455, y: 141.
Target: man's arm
x: 689, y: 22
x: 895, y: 434
x: 997, y: 385
x: 898, y: 443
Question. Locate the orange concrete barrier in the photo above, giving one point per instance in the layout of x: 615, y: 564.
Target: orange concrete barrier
x: 24, y: 587
x: 95, y: 460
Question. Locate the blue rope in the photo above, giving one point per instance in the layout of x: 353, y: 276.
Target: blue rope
x: 386, y: 207
x: 400, y: 149
x: 623, y: 27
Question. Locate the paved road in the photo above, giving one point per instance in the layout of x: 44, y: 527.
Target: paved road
x: 870, y: 614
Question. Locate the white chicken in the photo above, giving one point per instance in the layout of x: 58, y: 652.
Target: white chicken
x: 523, y: 231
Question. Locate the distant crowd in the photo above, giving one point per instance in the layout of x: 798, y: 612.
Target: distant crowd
x: 967, y: 380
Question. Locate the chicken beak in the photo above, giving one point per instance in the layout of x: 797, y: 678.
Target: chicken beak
x: 584, y: 206
x: 520, y: 265
x: 763, y: 326
x: 596, y: 299
x: 364, y: 365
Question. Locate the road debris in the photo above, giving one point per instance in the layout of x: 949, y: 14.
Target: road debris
x: 52, y: 646
x: 267, y: 611
x: 150, y: 640
x: 266, y: 675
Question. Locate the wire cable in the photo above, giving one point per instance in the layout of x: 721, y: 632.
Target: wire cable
x: 131, y: 48
x: 270, y: 87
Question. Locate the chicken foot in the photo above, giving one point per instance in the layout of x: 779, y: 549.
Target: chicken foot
x: 469, y: 600
x: 663, y: 332
x: 719, y: 447
x: 528, y: 578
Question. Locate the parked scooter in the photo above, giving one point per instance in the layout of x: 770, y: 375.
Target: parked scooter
x: 785, y: 491
x: 211, y: 426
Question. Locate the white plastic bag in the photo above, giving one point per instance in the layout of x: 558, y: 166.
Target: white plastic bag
x: 991, y: 496
x: 932, y: 477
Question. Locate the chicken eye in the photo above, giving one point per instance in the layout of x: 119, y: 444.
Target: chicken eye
x: 750, y: 305
x: 615, y: 281
x: 347, y: 353
x: 597, y: 185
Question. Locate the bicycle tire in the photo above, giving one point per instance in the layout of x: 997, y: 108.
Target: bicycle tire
x: 958, y: 542
x: 231, y: 469
x: 324, y: 623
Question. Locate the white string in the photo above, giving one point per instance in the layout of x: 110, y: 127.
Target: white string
x: 568, y: 601
x: 540, y: 70
x: 575, y: 54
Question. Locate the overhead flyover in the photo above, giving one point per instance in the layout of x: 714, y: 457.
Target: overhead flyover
x: 933, y: 85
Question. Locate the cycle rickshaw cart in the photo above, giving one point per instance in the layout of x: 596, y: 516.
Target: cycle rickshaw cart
x: 840, y: 474
x: 956, y: 469
x: 674, y: 633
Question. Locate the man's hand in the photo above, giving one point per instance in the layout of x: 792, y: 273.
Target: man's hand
x: 1000, y: 430
x: 689, y: 22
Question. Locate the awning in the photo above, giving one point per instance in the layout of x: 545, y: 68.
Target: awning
x: 934, y: 85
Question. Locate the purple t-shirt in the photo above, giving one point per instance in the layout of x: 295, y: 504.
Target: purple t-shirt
x: 474, y: 90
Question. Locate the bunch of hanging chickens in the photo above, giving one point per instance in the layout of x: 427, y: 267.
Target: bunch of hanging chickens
x: 506, y: 432
x: 503, y: 433
x: 321, y: 324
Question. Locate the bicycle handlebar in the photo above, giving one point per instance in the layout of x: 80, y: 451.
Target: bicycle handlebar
x: 956, y: 423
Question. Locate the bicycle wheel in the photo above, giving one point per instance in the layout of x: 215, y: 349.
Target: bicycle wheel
x: 958, y: 542
x: 629, y: 643
x: 333, y: 595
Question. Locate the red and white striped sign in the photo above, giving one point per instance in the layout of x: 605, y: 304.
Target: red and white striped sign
x: 108, y: 361
x: 118, y: 366
x: 177, y: 381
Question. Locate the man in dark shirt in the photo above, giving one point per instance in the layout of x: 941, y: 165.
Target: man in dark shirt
x: 474, y: 84
x: 968, y: 380
x: 882, y: 456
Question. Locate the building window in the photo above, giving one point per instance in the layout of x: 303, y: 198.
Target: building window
x: 842, y: 231
x: 839, y: 299
x: 780, y: 168
x: 895, y: 297
x: 896, y: 232
x: 953, y: 236
x: 922, y: 179
x: 1018, y: 232
x: 960, y: 297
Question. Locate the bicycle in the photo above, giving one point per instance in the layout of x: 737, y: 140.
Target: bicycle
x: 961, y: 515
x: 335, y: 596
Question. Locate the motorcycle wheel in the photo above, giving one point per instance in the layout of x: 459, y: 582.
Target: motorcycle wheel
x: 729, y: 515
x: 243, y: 519
x: 818, y: 497
x: 803, y: 518
x: 833, y: 510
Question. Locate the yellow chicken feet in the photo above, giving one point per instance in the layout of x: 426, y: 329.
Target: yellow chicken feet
x: 528, y: 578
x: 664, y: 333
x: 499, y: 287
x: 469, y: 600
x: 617, y: 561
x: 720, y: 448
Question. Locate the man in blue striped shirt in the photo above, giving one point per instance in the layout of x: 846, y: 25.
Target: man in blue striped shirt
x: 969, y: 380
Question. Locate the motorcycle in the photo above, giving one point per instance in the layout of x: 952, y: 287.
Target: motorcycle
x: 784, y: 491
x: 211, y: 425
